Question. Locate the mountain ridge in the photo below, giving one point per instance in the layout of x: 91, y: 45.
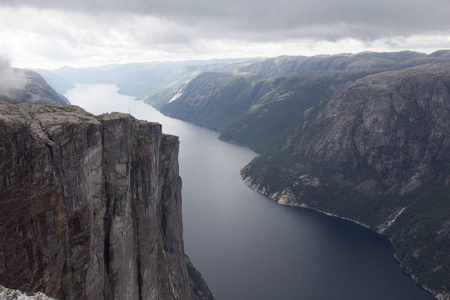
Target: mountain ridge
x: 30, y: 87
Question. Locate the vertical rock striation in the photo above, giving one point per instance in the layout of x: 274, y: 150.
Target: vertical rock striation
x: 90, y: 206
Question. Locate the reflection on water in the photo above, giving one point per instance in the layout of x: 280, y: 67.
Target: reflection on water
x: 247, y: 246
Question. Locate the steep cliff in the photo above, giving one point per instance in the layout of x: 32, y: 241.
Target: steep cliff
x: 91, y: 206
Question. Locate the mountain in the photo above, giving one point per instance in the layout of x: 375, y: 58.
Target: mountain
x: 364, y: 137
x: 211, y: 98
x: 364, y: 63
x: 25, y: 86
x: 91, y: 207
x: 249, y: 109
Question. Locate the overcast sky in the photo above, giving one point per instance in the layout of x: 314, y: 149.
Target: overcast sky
x: 53, y: 33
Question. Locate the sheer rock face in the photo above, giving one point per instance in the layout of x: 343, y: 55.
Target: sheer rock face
x: 396, y: 123
x: 90, y: 206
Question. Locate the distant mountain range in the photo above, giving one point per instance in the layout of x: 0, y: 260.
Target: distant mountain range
x: 344, y: 62
x: 365, y: 136
x: 144, y: 79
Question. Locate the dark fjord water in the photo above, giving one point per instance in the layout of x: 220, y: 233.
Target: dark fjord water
x: 247, y: 246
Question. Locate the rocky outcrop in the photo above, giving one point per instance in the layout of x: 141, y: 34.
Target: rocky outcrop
x: 91, y: 206
x: 10, y: 294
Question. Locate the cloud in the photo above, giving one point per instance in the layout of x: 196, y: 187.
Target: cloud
x: 301, y: 19
x: 87, y: 32
x: 10, y: 79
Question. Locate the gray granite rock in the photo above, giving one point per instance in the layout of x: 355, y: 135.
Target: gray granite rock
x: 91, y: 206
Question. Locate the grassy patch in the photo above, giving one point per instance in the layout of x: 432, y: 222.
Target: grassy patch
x: 141, y: 143
x: 80, y: 211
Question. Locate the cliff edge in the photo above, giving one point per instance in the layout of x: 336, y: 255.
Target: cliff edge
x: 91, y: 206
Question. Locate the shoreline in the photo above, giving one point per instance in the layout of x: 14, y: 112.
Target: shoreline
x: 294, y: 203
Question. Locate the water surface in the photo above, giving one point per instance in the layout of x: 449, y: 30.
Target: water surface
x: 247, y: 246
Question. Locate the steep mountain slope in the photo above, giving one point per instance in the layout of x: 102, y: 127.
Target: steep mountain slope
x: 377, y: 152
x: 91, y: 207
x: 214, y: 99
x: 371, y: 146
x: 30, y: 87
x: 253, y: 110
x: 270, y: 117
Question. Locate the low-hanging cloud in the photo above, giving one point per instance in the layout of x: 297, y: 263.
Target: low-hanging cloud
x: 10, y: 79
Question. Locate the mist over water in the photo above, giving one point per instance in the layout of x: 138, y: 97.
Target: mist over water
x: 247, y: 246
